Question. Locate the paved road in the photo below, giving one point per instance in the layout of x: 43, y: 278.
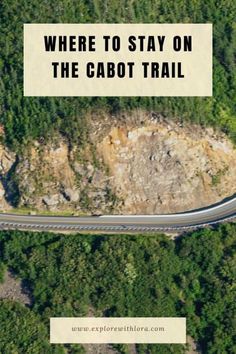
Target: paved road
x: 225, y: 211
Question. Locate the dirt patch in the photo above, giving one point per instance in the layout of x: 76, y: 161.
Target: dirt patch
x: 14, y: 289
x: 99, y: 349
x: 193, y: 349
x: 106, y: 349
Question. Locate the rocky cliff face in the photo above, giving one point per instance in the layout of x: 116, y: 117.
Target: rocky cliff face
x: 54, y: 177
x: 7, y: 163
x: 135, y: 163
x: 162, y: 167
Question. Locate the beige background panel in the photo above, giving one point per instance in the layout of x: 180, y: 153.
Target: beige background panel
x: 174, y: 330
x: 197, y: 65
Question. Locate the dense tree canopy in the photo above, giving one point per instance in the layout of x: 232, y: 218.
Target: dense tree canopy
x: 124, y: 276
x: 29, y: 118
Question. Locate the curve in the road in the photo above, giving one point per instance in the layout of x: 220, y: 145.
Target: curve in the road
x: 225, y: 211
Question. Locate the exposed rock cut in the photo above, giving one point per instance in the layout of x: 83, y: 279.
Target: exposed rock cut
x: 163, y: 167
x: 134, y: 163
x: 7, y: 160
x: 53, y: 178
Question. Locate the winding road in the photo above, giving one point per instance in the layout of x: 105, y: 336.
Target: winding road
x: 224, y: 211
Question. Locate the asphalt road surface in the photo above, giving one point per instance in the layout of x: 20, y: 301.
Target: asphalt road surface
x: 225, y: 211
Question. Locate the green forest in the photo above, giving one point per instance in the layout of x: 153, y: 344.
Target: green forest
x: 30, y: 118
x: 121, y: 275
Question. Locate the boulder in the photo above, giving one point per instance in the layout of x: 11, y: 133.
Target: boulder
x: 51, y: 200
x: 71, y: 194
